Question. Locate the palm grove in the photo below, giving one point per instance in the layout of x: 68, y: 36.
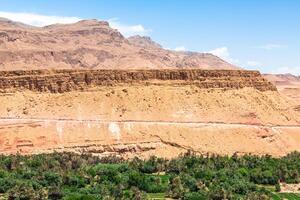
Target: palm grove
x: 73, y: 176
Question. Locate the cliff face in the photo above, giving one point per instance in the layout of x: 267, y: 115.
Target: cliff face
x: 68, y: 80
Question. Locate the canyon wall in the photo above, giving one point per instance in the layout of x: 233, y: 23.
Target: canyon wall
x: 68, y: 80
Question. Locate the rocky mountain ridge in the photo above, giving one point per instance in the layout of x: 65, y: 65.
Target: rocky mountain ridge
x: 283, y: 78
x: 89, y: 44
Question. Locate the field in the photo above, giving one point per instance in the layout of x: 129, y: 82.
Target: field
x: 289, y: 196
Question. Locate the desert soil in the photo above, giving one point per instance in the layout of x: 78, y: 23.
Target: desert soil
x: 149, y: 120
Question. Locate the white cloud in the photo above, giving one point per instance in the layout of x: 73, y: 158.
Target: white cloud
x: 223, y: 53
x: 180, y: 48
x: 253, y: 64
x: 44, y: 20
x: 128, y: 30
x: 287, y: 70
x: 272, y: 46
x: 38, y: 20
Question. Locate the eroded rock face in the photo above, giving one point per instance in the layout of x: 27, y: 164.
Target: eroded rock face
x: 144, y: 112
x: 144, y: 139
x: 68, y: 80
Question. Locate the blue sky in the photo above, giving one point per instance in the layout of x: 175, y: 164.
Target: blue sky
x: 255, y: 34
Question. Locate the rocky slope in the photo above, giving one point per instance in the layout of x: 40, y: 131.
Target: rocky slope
x: 288, y: 85
x: 89, y: 44
x: 145, y: 112
x: 144, y: 42
x: 283, y: 79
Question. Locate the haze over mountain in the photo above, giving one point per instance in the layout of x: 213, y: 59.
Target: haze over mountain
x: 90, y: 44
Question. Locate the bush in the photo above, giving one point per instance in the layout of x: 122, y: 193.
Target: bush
x: 195, y: 196
x: 79, y: 197
x: 26, y: 192
x: 277, y: 187
x: 55, y: 193
x: 6, y: 184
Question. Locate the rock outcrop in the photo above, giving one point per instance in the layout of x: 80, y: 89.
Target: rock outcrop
x: 68, y: 80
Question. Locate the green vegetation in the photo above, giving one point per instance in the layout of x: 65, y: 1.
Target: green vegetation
x: 84, y: 177
x: 289, y: 196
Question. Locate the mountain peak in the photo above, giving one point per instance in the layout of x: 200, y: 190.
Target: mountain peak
x: 7, y: 23
x: 82, y: 24
x: 92, y: 22
x: 143, y: 41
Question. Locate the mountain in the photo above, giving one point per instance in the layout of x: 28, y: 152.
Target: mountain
x: 283, y: 79
x: 90, y: 44
x: 157, y: 106
x: 144, y: 42
x: 288, y: 85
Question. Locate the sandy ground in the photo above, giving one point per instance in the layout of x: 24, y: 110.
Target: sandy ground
x: 289, y: 188
x: 149, y: 120
x: 146, y: 138
x: 154, y: 103
x: 289, y: 86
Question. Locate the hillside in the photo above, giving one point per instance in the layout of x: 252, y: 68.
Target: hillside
x: 90, y: 44
x: 288, y: 85
x: 144, y: 112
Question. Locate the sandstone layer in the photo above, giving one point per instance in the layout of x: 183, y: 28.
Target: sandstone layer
x: 143, y: 139
x: 145, y: 112
x: 68, y: 80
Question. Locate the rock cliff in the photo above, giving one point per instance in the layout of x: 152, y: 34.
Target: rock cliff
x: 68, y: 80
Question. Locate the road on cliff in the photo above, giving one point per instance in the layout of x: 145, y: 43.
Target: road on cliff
x: 201, y: 123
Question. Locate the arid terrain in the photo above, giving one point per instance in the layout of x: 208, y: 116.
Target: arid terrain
x: 84, y: 87
x: 288, y: 85
x: 161, y: 112
x: 90, y: 44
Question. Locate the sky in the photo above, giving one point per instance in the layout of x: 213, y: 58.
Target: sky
x: 253, y: 34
